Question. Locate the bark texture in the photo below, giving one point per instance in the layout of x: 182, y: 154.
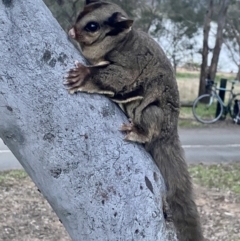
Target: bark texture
x: 101, y: 187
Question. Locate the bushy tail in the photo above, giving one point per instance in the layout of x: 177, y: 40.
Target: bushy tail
x: 170, y: 160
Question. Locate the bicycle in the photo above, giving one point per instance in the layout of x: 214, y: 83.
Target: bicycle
x: 205, y: 106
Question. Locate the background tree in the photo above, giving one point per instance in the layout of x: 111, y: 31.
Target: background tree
x: 205, y: 49
x: 176, y: 43
x: 221, y: 22
x: 216, y: 11
x: 180, y: 24
x: 65, y: 11
x: 149, y: 15
x: 143, y: 12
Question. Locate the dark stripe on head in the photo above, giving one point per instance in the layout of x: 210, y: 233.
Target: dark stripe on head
x: 115, y: 31
x: 90, y: 8
x: 119, y: 23
x: 118, y: 28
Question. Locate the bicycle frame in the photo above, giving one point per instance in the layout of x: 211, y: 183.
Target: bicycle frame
x: 211, y: 98
x: 215, y: 94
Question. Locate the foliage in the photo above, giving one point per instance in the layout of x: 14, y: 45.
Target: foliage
x: 181, y: 21
x: 232, y: 34
x: 187, y: 14
x: 65, y: 11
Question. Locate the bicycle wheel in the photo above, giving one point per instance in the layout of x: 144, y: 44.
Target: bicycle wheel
x: 205, y: 107
x: 231, y: 106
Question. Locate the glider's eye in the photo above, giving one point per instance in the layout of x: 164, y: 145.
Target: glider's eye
x: 92, y: 27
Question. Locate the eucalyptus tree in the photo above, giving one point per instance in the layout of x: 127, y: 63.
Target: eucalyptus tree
x: 101, y: 187
x: 217, y: 11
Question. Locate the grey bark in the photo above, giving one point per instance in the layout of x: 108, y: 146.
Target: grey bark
x: 101, y: 187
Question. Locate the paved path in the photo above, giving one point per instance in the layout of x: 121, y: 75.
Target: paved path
x: 7, y: 159
x: 210, y: 145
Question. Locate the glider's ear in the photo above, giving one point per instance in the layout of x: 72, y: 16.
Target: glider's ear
x: 118, y: 20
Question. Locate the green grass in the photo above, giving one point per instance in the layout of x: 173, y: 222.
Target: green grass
x: 187, y: 123
x: 224, y: 177
x: 205, y: 111
x: 222, y: 76
x: 9, y: 175
x: 187, y: 119
x: 194, y: 76
x: 187, y: 111
x: 202, y: 110
x: 187, y: 75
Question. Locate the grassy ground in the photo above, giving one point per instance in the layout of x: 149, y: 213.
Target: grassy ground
x: 183, y: 74
x: 12, y: 175
x: 223, y: 177
x: 26, y: 216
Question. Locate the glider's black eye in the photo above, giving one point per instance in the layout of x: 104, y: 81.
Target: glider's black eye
x: 92, y: 27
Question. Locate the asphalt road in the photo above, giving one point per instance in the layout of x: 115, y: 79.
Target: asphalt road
x: 7, y: 159
x: 210, y: 145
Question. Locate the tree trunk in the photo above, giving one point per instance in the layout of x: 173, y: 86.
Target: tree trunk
x: 238, y: 73
x: 101, y: 187
x: 174, y: 63
x: 219, y: 38
x: 204, y: 65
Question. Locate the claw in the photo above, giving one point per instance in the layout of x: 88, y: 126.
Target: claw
x: 136, y: 137
x: 126, y: 127
x: 76, y: 62
x: 73, y: 80
x: 75, y: 77
x: 71, y: 91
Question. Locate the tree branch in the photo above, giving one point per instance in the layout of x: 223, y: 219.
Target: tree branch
x: 70, y: 145
x: 231, y: 52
